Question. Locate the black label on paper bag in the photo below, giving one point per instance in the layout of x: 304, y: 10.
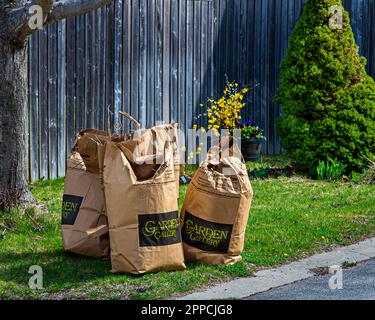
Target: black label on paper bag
x: 159, y: 229
x: 206, y: 235
x: 70, y: 208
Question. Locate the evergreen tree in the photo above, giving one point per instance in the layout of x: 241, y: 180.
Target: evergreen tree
x: 327, y: 97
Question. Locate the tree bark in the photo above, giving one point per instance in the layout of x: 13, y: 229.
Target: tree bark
x: 13, y: 125
x: 14, y: 17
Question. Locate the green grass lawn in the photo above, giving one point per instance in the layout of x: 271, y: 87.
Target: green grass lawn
x: 290, y: 218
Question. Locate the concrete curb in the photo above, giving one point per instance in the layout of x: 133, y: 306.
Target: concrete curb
x: 265, y: 280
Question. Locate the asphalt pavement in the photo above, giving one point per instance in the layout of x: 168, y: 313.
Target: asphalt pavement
x: 358, y: 283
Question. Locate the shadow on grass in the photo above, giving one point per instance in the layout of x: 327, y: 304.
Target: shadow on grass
x: 60, y: 269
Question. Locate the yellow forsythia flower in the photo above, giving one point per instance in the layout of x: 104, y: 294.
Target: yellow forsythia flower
x: 224, y: 112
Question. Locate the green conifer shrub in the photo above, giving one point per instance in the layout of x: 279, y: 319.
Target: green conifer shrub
x: 327, y: 98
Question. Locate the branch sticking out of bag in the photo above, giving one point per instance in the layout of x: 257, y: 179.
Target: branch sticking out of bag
x: 136, y: 124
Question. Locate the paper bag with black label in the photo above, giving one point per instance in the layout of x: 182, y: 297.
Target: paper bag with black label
x: 84, y: 221
x: 216, y: 210
x: 142, y: 211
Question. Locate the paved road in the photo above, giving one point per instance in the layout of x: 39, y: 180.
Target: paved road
x: 358, y: 284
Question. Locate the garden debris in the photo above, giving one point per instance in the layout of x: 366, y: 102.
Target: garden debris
x: 37, y: 238
x: 340, y: 204
x: 3, y: 226
x: 321, y: 271
x: 29, y: 213
x: 142, y: 205
x: 84, y: 221
x: 145, y: 145
x: 349, y: 264
x: 216, y: 209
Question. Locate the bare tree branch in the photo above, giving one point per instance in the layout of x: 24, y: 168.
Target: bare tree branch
x: 68, y: 8
x: 17, y: 27
x: 6, y: 3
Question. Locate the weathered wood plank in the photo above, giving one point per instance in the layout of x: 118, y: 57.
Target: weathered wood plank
x: 182, y: 54
x: 212, y: 55
x: 236, y: 36
x: 88, y: 72
x: 189, y: 65
x: 52, y: 100
x: 230, y: 40
x: 118, y: 63
x: 270, y: 117
x: 95, y: 68
x: 150, y: 103
x: 43, y: 104
x: 196, y: 61
x: 174, y: 62
x: 102, y: 27
x: 159, y: 61
x: 109, y: 63
x: 126, y: 67
x: 80, y: 73
x: 166, y: 60
x: 243, y: 52
x: 277, y: 51
x: 263, y: 106
x: 250, y: 110
x: 61, y: 98
x: 143, y: 45
x: 221, y: 46
x: 257, y: 60
x: 243, y: 44
x: 33, y: 108
x: 204, y: 67
x: 134, y: 90
x: 71, y: 83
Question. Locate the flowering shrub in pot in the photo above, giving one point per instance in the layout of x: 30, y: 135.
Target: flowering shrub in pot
x: 252, y: 138
x: 225, y: 114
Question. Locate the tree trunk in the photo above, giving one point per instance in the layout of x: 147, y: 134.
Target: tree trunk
x: 13, y: 125
x: 14, y: 30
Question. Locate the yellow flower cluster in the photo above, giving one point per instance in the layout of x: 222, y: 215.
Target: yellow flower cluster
x: 225, y: 111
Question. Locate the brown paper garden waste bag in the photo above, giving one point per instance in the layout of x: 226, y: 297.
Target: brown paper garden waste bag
x: 142, y: 209
x: 154, y: 140
x: 84, y: 221
x: 215, y: 211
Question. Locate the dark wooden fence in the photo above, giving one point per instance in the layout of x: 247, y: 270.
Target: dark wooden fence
x: 158, y: 60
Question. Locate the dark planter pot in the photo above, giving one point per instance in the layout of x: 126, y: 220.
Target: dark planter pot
x: 251, y: 149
